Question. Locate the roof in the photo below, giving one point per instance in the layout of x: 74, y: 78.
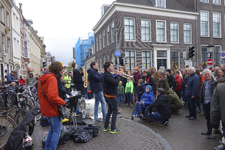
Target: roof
x: 170, y: 4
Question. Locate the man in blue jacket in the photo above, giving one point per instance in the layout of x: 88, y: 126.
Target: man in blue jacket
x: 11, y: 78
x: 94, y: 79
x: 192, y: 92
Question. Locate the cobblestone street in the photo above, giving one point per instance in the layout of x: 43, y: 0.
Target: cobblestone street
x: 179, y: 134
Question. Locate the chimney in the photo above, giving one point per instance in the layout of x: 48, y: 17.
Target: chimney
x: 21, y: 7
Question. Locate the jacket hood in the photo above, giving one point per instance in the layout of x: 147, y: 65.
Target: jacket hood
x: 170, y: 92
x: 30, y: 73
x: 90, y: 69
x: 150, y: 88
x: 45, y: 76
x: 165, y: 98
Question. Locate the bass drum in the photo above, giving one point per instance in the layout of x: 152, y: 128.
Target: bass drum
x: 89, y: 105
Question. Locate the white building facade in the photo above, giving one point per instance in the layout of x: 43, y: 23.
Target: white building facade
x: 16, y: 38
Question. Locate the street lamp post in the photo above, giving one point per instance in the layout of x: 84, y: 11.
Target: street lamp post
x: 117, y: 49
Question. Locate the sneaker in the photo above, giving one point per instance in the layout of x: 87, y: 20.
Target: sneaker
x: 131, y: 106
x: 127, y: 104
x: 220, y: 147
x: 163, y: 123
x: 115, y: 131
x: 106, y: 129
x: 65, y: 120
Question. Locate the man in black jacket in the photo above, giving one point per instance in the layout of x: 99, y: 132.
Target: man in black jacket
x: 162, y: 103
x: 94, y: 79
x: 110, y: 87
x: 171, y: 80
x: 77, y: 78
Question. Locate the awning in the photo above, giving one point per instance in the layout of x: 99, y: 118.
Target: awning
x: 29, y: 69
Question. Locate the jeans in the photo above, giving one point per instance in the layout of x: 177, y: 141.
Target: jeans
x: 135, y: 92
x: 99, y: 97
x: 206, y: 108
x: 120, y: 99
x: 68, y: 89
x: 178, y: 93
x: 88, y: 95
x: 137, y: 107
x: 192, y: 107
x: 54, y: 133
x: 129, y: 98
x: 184, y: 97
x: 156, y: 117
x: 198, y: 104
x: 112, y: 109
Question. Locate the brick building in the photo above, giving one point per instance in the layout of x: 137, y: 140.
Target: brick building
x: 150, y: 33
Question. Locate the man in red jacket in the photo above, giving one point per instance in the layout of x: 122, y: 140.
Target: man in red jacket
x: 178, y: 81
x: 49, y: 106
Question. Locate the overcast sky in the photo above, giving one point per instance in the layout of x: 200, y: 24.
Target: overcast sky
x: 63, y: 22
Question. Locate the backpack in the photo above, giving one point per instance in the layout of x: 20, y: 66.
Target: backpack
x: 44, y: 121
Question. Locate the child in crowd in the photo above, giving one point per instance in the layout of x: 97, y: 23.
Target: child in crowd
x: 120, y: 96
x: 140, y: 89
x: 146, y: 99
x: 66, y: 100
x: 129, y: 91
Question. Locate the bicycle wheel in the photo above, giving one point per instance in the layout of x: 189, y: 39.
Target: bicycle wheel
x: 7, y: 126
x: 19, y: 117
x: 38, y: 116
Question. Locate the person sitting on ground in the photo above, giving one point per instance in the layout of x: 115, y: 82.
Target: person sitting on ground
x: 146, y: 99
x: 175, y: 101
x: 140, y: 89
x: 162, y: 103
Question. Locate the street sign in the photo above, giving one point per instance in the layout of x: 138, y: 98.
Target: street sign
x: 222, y: 54
x: 210, y: 61
x: 117, y: 53
x: 188, y: 62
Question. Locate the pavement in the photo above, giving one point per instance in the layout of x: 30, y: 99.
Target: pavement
x: 179, y: 134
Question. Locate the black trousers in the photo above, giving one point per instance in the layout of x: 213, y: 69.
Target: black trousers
x: 206, y: 108
x: 112, y: 109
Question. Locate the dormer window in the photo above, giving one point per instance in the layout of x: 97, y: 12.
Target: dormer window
x: 159, y: 3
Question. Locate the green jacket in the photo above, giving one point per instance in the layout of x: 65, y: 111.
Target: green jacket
x: 129, y: 87
x: 217, y: 111
x: 120, y: 90
x: 175, y: 101
x: 163, y: 84
x: 67, y: 78
x: 29, y: 80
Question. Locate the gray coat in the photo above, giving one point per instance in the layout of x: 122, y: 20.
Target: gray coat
x: 217, y: 112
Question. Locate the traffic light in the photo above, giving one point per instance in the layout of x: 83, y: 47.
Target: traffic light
x: 126, y: 60
x: 121, y: 61
x: 191, y: 52
x: 44, y: 64
x: 115, y: 60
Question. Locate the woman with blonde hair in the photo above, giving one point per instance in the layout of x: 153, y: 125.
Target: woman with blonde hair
x: 156, y: 80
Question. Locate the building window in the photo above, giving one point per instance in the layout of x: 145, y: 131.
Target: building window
x: 206, y: 1
x: 216, y: 25
x: 108, y: 35
x: 161, y: 31
x: 217, y: 2
x: 7, y: 19
x: 97, y: 44
x: 204, y: 23
x: 8, y: 47
x: 103, y: 38
x: 131, y: 60
x: 3, y: 43
x: 100, y: 42
x: 104, y: 60
x: 25, y: 49
x: 161, y: 59
x: 174, y: 32
x: 146, y: 60
x: 145, y: 30
x: 174, y: 60
x: 2, y: 15
x: 217, y: 51
x: 100, y: 63
x: 204, y: 56
x: 112, y: 32
x: 160, y: 3
x: 109, y: 57
x: 129, y: 28
x: 187, y: 33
